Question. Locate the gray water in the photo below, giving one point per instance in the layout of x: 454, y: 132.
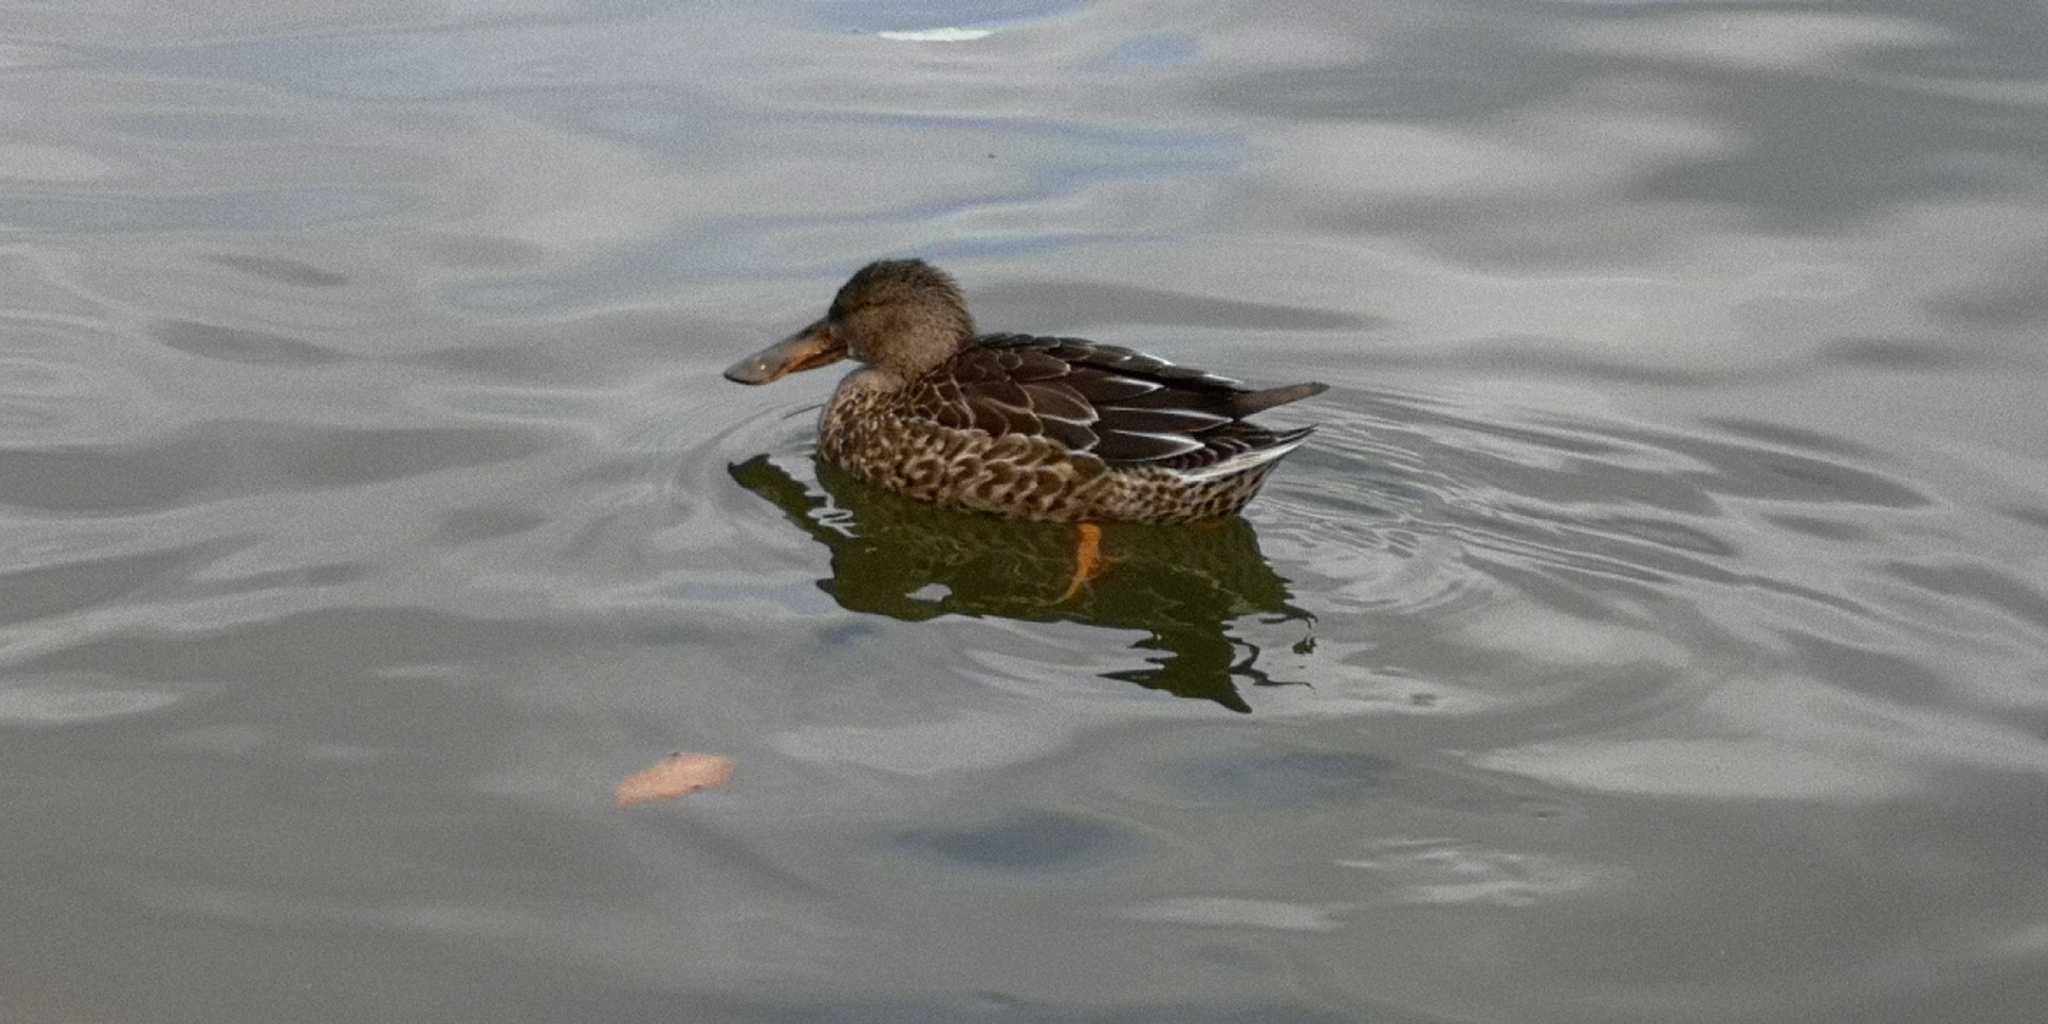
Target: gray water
x: 1655, y: 630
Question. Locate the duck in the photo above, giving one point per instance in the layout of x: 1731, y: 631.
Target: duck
x: 1052, y: 429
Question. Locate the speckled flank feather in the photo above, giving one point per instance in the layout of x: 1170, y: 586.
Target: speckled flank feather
x: 1016, y: 476
x: 1058, y: 429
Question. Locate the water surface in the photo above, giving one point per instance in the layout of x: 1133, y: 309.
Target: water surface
x: 1656, y: 629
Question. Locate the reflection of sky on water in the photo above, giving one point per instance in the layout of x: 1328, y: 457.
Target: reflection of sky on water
x: 1481, y: 156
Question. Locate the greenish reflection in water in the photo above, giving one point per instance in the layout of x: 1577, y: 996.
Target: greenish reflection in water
x: 1182, y: 585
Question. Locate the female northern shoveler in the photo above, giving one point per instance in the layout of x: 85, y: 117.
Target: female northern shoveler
x: 1057, y: 429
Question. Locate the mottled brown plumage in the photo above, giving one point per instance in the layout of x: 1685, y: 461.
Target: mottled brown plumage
x: 1058, y: 429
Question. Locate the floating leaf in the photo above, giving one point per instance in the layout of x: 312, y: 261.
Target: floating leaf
x: 678, y: 774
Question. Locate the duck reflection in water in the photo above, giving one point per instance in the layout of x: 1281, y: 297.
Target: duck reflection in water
x: 1184, y: 585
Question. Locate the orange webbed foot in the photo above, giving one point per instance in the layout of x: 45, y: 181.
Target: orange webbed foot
x: 1088, y: 560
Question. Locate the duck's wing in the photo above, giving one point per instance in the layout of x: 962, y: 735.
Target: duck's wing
x: 1121, y: 406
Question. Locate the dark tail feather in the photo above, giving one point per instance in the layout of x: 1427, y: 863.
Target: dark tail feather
x: 1246, y: 403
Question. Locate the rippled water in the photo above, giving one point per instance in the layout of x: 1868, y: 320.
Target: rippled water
x: 1656, y: 629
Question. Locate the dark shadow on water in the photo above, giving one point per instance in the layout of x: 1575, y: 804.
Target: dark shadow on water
x: 1182, y: 585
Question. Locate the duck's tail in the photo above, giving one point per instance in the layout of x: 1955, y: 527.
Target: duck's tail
x: 1271, y: 449
x: 1245, y: 403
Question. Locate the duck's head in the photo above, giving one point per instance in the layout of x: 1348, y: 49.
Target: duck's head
x: 901, y: 316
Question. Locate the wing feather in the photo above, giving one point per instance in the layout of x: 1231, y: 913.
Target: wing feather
x: 1123, y: 406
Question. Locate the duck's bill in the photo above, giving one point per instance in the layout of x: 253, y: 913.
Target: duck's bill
x: 812, y: 347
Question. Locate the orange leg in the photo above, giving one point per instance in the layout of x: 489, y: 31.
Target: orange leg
x: 1088, y: 560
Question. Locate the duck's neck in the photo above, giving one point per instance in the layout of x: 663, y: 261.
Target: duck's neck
x: 869, y: 380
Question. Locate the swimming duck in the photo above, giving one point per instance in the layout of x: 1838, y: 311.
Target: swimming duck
x: 1054, y: 429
